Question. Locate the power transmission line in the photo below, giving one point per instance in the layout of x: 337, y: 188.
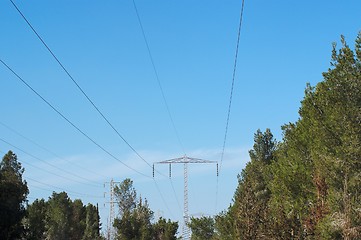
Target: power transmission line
x: 175, y: 194
x: 44, y: 170
x: 231, y: 96
x: 93, y: 104
x: 51, y: 190
x: 231, y: 93
x: 163, y: 95
x: 52, y: 153
x: 60, y: 169
x: 78, y: 86
x: 62, y: 189
x: 79, y: 130
x: 162, y: 197
x: 71, y: 123
x: 157, y: 77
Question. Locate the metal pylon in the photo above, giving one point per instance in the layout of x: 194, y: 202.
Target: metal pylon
x: 185, y: 207
x: 185, y: 160
x: 110, y: 228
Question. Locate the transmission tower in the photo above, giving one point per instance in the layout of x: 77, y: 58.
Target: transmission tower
x: 110, y: 229
x: 185, y: 160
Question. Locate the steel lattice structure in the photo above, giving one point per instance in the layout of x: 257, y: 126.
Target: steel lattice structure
x: 185, y: 160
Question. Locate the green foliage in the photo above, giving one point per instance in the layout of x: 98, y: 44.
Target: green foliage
x: 135, y: 224
x: 59, y: 216
x: 135, y: 216
x: 77, y: 221
x: 126, y: 196
x: 307, y: 186
x: 165, y: 230
x: 292, y: 187
x: 252, y: 195
x: 36, y: 220
x: 202, y: 228
x: 225, y: 225
x: 264, y: 146
x: 248, y: 217
x: 332, y: 112
x: 92, y: 223
x: 13, y: 193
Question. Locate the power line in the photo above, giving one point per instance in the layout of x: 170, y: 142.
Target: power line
x: 60, y: 169
x: 62, y: 189
x: 78, y: 86
x: 93, y: 104
x: 52, y: 153
x: 230, y: 98
x: 157, y: 77
x: 51, y: 190
x: 163, y: 95
x: 231, y: 93
x: 84, y: 134
x: 175, y: 194
x: 71, y: 123
x: 161, y: 195
x: 44, y: 170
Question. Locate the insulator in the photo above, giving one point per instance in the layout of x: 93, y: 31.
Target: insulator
x: 153, y: 170
x: 170, y: 170
x: 217, y: 170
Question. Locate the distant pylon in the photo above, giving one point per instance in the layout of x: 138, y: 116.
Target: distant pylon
x: 111, y: 212
x: 185, y: 160
x: 110, y: 228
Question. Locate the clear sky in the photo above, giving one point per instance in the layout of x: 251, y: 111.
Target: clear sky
x: 284, y: 45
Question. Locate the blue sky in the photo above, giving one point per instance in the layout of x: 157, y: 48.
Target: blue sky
x: 284, y: 45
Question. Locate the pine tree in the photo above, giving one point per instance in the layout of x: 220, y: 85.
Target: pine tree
x: 36, y: 220
x: 92, y: 229
x: 13, y: 193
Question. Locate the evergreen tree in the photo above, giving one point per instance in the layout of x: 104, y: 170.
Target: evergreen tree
x: 126, y: 196
x: 316, y: 178
x: 202, y: 228
x: 135, y: 224
x: 135, y: 217
x: 165, y: 230
x: 36, y: 220
x: 78, y: 219
x: 252, y: 195
x: 59, y: 216
x: 225, y: 227
x: 293, y: 192
x: 332, y: 110
x: 13, y: 193
x: 92, y: 229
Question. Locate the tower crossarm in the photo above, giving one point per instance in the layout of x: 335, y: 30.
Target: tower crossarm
x: 185, y: 159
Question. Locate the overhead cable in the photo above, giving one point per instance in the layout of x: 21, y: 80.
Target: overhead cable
x: 54, y: 166
x: 78, y: 86
x: 70, y: 122
x: 62, y: 189
x: 52, y: 153
x: 231, y: 93
x: 162, y: 197
x: 157, y: 77
x: 230, y: 100
x: 162, y: 92
x: 44, y: 170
